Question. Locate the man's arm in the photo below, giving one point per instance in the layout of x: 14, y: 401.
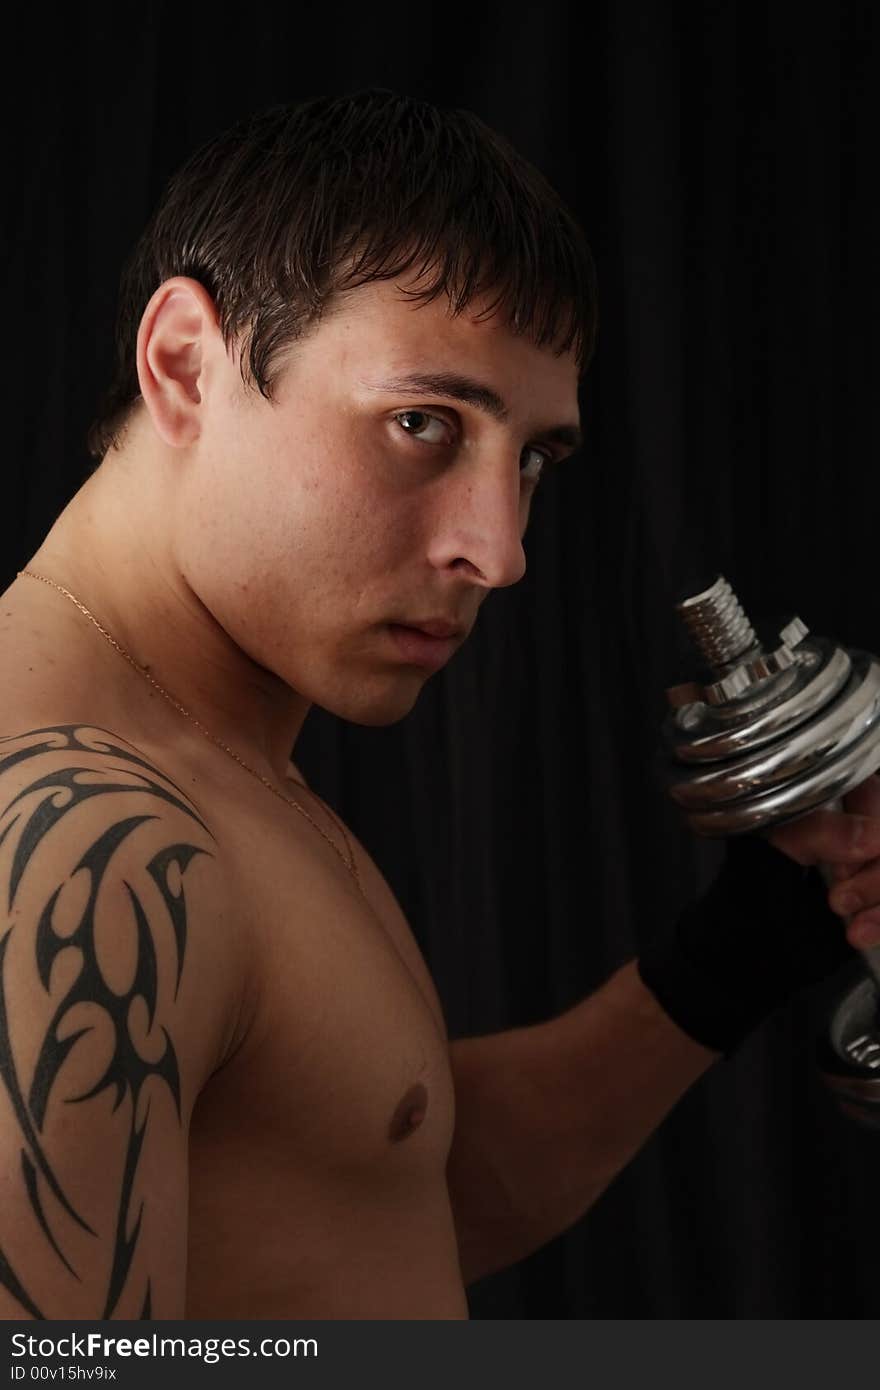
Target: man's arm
x: 547, y: 1115
x: 115, y: 970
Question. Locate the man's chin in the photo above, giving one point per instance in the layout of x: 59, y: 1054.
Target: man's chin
x: 378, y: 709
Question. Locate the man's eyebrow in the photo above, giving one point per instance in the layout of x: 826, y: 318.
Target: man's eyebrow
x: 470, y: 392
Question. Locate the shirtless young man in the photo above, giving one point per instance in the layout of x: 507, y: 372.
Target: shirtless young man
x: 226, y: 1086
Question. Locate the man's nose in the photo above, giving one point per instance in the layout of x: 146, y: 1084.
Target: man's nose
x: 479, y: 528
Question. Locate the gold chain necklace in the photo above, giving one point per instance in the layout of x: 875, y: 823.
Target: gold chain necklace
x: 350, y: 863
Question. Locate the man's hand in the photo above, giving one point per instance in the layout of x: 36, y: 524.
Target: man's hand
x: 848, y: 841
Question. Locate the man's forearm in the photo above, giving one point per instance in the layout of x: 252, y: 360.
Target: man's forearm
x: 547, y: 1115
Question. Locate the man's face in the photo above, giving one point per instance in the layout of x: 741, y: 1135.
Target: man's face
x: 370, y: 499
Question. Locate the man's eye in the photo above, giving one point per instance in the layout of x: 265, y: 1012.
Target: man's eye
x: 533, y: 464
x: 433, y: 429
x: 420, y: 423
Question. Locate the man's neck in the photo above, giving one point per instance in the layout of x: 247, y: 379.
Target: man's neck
x: 113, y: 548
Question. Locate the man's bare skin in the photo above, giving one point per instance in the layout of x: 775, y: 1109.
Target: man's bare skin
x: 227, y: 1089
x: 310, y: 1041
x: 317, y: 1150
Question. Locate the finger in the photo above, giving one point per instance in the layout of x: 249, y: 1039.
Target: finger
x: 864, y: 930
x: 829, y: 837
x: 860, y: 892
x: 864, y: 800
x: 839, y: 872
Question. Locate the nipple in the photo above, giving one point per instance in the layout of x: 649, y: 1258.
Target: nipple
x: 409, y: 1113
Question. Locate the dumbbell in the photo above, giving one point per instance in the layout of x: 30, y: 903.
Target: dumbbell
x: 766, y: 735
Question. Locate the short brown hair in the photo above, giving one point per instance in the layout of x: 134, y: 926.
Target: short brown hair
x: 297, y: 202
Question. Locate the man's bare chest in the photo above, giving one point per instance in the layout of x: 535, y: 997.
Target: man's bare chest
x: 344, y: 1065
x: 318, y: 1153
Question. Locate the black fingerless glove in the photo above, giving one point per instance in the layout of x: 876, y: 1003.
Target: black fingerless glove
x: 762, y: 931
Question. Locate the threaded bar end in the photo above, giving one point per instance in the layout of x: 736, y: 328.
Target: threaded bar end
x: 718, y: 626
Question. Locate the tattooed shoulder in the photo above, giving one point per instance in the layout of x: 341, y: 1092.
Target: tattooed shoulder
x: 112, y: 981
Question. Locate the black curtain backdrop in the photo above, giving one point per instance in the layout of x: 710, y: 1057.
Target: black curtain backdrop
x: 722, y: 160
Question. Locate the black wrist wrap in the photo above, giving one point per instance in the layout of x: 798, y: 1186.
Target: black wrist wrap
x: 760, y: 932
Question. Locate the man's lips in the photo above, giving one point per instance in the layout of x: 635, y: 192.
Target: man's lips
x: 429, y: 644
x: 435, y: 627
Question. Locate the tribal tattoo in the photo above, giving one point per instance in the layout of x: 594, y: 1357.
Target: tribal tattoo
x: 114, y: 770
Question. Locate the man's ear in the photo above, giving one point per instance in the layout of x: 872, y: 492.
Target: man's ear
x: 174, y: 333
